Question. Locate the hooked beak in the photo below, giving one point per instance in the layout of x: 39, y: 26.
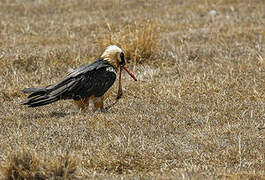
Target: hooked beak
x: 129, y: 72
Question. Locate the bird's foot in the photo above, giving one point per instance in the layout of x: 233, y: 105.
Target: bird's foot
x: 102, y: 110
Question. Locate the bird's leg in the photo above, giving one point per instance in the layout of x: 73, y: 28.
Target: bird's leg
x: 98, y: 104
x: 82, y: 103
x: 101, y: 105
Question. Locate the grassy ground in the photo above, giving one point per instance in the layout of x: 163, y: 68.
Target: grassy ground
x: 197, y: 111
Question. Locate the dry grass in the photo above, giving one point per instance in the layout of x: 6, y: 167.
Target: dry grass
x: 138, y: 40
x: 22, y: 165
x: 197, y: 111
x: 25, y: 164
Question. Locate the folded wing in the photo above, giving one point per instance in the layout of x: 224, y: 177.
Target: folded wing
x: 93, y: 79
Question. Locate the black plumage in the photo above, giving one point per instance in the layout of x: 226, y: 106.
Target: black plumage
x: 94, y: 79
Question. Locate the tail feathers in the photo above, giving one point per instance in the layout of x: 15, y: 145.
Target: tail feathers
x: 39, y: 96
x: 45, y: 95
x: 31, y: 90
x: 38, y: 91
x: 39, y: 100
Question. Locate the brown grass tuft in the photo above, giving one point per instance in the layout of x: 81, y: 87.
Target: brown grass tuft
x: 22, y: 164
x: 26, y: 164
x: 138, y: 40
x: 62, y: 167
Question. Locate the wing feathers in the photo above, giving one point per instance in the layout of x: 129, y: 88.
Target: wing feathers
x: 78, y: 84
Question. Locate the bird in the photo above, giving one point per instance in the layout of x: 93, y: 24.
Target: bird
x: 85, y: 84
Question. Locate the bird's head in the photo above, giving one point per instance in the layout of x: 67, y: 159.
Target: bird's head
x: 115, y: 56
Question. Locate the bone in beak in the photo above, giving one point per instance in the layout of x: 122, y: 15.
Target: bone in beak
x: 129, y: 72
x: 120, y: 88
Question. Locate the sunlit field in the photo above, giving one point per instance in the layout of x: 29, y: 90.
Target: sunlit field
x: 197, y: 110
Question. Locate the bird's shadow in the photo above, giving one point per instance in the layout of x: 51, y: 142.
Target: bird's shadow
x: 56, y: 114
x: 60, y: 114
x: 53, y: 114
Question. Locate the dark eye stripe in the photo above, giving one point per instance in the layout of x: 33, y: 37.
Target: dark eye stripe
x: 122, y: 54
x: 122, y: 58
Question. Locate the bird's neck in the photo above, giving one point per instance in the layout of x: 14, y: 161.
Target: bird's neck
x: 112, y: 61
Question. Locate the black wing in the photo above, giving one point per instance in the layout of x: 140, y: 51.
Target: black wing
x: 94, y: 79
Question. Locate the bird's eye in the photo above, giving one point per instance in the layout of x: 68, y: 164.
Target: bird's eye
x: 122, y: 58
x: 122, y: 55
